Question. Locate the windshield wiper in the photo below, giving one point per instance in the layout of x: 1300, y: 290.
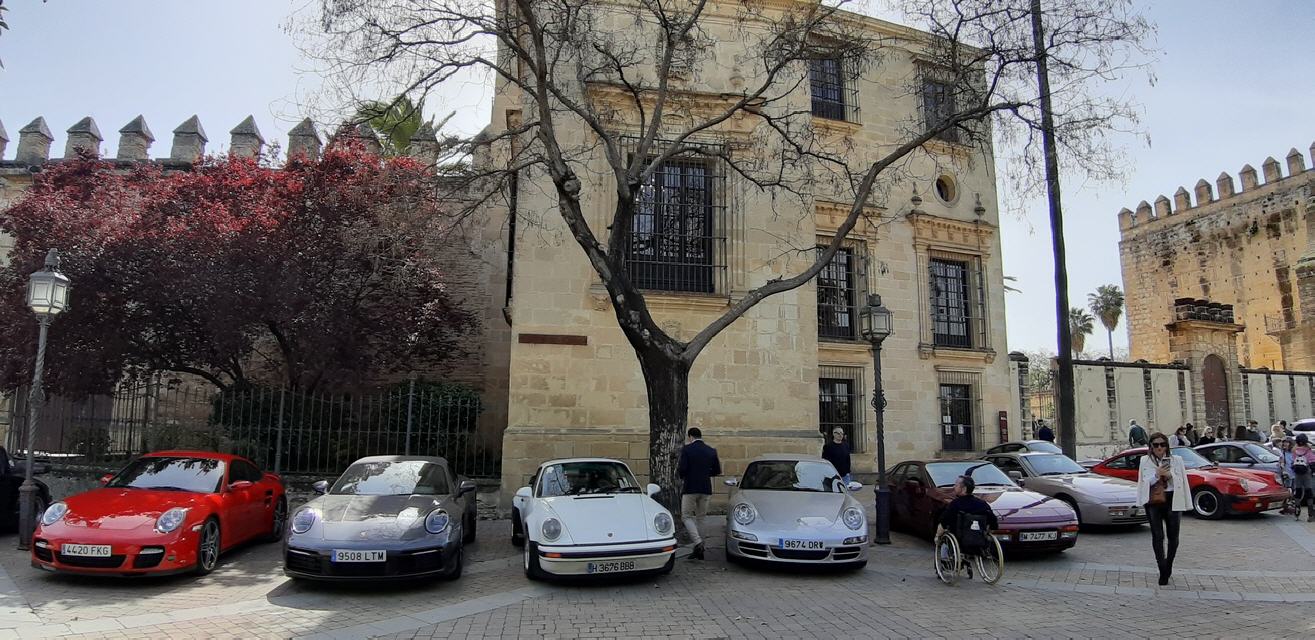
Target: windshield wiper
x: 628, y: 490
x: 165, y: 488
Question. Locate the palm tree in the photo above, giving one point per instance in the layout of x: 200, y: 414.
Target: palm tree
x: 1080, y: 324
x: 1107, y: 304
x: 396, y: 121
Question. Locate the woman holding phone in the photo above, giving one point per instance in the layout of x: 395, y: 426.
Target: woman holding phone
x: 1162, y: 487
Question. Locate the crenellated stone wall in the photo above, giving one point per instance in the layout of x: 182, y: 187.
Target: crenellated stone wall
x: 1234, y: 242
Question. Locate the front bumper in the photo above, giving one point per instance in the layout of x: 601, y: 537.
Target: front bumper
x: 125, y: 560
x: 1256, y: 503
x: 317, y: 564
x: 1101, y: 515
x: 630, y: 557
x: 1012, y: 539
x: 836, y: 548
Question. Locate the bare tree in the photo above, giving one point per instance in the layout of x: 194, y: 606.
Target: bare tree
x: 608, y: 93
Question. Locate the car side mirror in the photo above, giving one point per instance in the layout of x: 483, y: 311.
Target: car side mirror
x: 524, y: 492
x: 1016, y: 476
x: 653, y: 489
x: 732, y: 482
x: 239, y: 484
x: 321, y: 487
x: 105, y: 479
x: 854, y: 486
x: 466, y: 486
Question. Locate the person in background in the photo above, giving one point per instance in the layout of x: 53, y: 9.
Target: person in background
x: 1179, y: 438
x: 1207, y: 437
x: 1277, y: 433
x: 1253, y: 431
x: 837, y: 452
x: 1285, y: 458
x: 697, y: 467
x: 1136, y: 434
x: 1240, y: 433
x: 1045, y: 432
x: 1162, y: 487
x: 1192, y: 436
x: 1287, y: 430
x: 1303, y: 481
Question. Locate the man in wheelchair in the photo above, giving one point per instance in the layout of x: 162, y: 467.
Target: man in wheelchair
x: 969, y: 518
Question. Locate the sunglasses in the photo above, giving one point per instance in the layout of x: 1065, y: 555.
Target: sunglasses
x: 1160, y: 445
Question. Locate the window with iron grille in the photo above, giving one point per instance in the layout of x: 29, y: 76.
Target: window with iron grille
x: 938, y: 105
x: 840, y: 289
x: 951, y: 303
x: 840, y: 403
x: 677, y: 237
x: 960, y: 413
x: 827, y: 77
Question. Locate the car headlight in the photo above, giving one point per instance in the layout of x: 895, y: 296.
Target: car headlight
x: 170, y: 520
x: 552, y: 529
x: 303, y: 521
x: 663, y: 523
x: 744, y: 514
x: 853, y: 518
x: 1245, y: 484
x: 437, y: 521
x: 54, y: 513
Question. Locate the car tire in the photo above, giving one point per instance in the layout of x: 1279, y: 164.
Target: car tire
x: 666, y: 568
x: 457, y: 568
x: 533, y: 570
x: 279, y: 522
x: 208, y: 545
x: 1074, y: 505
x: 1208, y: 504
x: 468, y: 530
x: 517, y: 528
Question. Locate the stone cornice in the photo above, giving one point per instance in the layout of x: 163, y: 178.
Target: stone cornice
x: 939, y: 232
x: 929, y: 351
x: 828, y: 216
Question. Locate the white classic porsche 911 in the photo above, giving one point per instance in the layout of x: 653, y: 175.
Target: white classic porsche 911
x: 586, y: 516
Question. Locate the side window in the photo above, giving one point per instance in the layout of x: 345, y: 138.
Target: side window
x: 898, y: 474
x: 1126, y: 462
x: 243, y: 470
x: 1212, y: 454
x: 1014, y: 448
x: 1009, y: 464
x: 914, y: 471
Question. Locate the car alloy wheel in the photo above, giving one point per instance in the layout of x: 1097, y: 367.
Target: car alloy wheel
x: 1206, y: 504
x: 279, y: 521
x: 207, y: 549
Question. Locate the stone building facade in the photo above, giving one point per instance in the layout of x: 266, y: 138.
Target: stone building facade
x: 1250, y: 245
x: 793, y: 364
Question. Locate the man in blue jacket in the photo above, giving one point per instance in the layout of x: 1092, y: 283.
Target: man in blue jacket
x: 698, y: 465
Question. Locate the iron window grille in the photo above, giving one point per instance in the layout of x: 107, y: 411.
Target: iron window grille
x: 678, y: 235
x: 840, y: 288
x: 938, y: 106
x: 1269, y: 395
x: 957, y: 299
x: 840, y: 401
x: 1182, y: 396
x: 960, y: 411
x: 1246, y: 396
x: 1112, y: 403
x: 834, y: 89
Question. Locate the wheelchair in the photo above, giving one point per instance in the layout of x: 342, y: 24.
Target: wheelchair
x: 970, y: 542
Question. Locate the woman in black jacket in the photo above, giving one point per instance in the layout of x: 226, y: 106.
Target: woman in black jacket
x: 836, y: 451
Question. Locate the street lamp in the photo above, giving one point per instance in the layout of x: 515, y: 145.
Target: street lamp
x: 876, y: 325
x: 47, y: 296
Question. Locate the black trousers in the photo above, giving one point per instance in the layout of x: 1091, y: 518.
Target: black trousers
x: 1164, y: 520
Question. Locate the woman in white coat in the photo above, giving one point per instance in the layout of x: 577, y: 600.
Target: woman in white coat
x: 1162, y: 487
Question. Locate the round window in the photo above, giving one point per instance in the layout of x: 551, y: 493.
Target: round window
x: 945, y: 189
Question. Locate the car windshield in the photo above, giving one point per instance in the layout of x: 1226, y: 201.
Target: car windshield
x: 793, y: 475
x: 1041, y: 446
x: 199, y: 475
x: 1260, y: 453
x: 586, y: 478
x: 1053, y: 464
x: 1191, y: 459
x: 985, y: 474
x: 392, y: 478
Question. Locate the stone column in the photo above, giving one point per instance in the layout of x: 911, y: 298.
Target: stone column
x: 135, y: 140
x: 34, y: 142
x: 246, y: 141
x: 189, y: 141
x: 84, y: 135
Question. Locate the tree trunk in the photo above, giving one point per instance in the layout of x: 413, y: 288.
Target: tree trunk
x: 1110, y: 334
x: 667, y: 382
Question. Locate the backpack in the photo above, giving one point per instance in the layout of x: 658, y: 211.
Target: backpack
x: 972, y: 532
x: 1301, y: 463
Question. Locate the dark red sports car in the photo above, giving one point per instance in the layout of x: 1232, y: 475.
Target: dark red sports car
x: 1215, y: 490
x: 165, y: 512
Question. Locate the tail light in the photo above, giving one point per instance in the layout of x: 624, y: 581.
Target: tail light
x: 1068, y: 531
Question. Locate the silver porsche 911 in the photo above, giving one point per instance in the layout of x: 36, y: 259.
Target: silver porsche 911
x: 1097, y: 499
x: 795, y: 509
x: 384, y: 517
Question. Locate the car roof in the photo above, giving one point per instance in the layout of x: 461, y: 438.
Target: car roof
x: 185, y: 453
x: 566, y: 460
x: 787, y: 457
x: 395, y: 458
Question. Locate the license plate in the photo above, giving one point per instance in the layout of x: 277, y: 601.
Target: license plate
x: 803, y: 545
x: 1037, y: 536
x: 86, y: 550
x: 611, y: 567
x: 355, y: 555
x: 1275, y: 505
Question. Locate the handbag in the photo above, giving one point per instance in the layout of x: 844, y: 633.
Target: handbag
x: 1158, y: 497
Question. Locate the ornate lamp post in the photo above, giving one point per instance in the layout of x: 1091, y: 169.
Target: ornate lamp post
x: 47, y: 296
x: 875, y: 321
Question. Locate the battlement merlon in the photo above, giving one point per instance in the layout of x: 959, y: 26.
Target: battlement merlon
x: 1133, y: 222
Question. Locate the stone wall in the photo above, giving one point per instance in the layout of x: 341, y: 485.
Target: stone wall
x: 1230, y: 243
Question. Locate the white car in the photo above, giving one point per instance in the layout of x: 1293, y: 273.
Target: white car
x: 587, y: 516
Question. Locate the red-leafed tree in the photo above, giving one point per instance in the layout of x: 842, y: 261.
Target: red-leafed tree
x: 317, y: 273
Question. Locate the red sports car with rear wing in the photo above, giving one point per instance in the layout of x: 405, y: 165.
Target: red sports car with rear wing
x: 166, y: 512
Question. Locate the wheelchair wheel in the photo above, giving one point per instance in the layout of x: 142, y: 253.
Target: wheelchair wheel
x: 947, y: 558
x: 991, y: 562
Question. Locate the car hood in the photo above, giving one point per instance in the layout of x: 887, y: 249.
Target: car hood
x: 376, y: 517
x: 605, y: 519
x: 788, y: 509
x: 1104, y: 489
x: 1019, y: 506
x: 123, y: 509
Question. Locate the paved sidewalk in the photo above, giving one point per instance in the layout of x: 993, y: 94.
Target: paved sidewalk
x: 1233, y: 578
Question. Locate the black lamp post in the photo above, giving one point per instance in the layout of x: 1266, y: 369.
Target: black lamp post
x: 47, y: 296
x: 875, y: 322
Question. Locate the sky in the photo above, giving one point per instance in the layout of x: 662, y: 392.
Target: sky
x: 1232, y: 87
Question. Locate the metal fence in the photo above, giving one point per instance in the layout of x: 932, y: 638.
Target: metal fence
x: 286, y: 431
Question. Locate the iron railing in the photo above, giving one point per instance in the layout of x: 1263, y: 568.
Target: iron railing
x: 280, y: 430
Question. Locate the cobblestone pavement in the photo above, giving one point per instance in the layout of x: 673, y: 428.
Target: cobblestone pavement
x: 1234, y: 578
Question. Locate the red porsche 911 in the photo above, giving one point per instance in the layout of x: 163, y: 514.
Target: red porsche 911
x: 1216, y: 491
x: 166, y: 512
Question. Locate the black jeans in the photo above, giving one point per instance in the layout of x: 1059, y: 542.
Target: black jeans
x: 1164, y: 520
